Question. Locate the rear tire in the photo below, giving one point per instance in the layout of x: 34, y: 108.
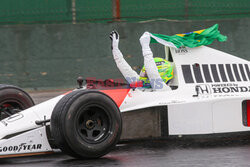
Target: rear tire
x: 86, y: 124
x: 13, y: 100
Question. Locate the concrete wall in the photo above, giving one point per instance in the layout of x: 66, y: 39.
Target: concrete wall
x: 53, y: 56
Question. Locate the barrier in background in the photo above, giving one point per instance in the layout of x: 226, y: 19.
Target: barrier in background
x: 53, y: 56
x: 77, y: 11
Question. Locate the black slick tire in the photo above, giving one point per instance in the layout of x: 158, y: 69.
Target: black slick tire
x: 86, y: 124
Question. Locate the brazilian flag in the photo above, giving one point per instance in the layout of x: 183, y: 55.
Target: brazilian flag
x: 191, y: 39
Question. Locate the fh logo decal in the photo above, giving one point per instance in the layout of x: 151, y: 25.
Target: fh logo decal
x: 202, y: 90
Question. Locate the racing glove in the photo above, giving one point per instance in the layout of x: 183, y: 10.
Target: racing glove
x: 114, y: 36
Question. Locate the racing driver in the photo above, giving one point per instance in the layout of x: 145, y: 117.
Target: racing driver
x: 156, y: 73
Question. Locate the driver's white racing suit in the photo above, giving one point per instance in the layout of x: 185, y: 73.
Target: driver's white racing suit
x: 130, y: 75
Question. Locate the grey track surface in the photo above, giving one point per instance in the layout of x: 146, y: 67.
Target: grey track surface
x: 170, y: 152
x: 151, y: 154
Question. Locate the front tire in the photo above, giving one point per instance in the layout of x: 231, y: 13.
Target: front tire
x: 86, y: 124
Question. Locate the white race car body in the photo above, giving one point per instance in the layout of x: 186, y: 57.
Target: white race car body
x: 210, y: 94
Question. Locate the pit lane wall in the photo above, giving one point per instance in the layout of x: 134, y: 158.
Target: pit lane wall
x: 53, y: 56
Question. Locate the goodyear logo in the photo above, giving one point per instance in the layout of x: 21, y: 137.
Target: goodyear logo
x: 21, y: 147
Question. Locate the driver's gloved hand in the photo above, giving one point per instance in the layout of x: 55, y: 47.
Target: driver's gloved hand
x: 114, y: 36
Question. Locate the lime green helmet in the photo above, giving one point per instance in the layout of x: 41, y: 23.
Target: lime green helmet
x: 165, y: 70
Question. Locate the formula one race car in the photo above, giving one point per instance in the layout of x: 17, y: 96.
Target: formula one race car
x: 210, y: 94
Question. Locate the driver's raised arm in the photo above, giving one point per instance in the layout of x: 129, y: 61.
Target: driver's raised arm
x: 129, y: 74
x: 155, y: 79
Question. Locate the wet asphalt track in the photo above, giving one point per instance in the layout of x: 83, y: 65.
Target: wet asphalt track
x: 154, y: 153
x: 150, y: 154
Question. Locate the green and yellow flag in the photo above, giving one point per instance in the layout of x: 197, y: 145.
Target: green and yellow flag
x: 191, y: 39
